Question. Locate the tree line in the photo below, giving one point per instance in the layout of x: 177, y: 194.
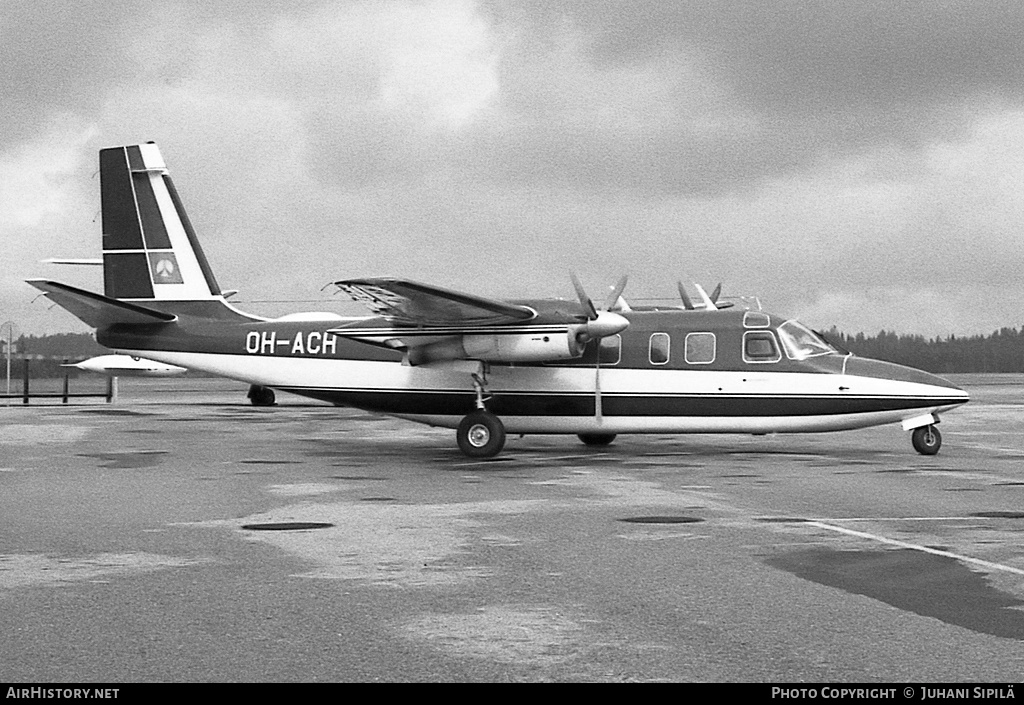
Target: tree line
x: 1002, y: 351
x: 49, y: 351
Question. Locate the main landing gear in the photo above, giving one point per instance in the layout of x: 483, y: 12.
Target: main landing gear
x: 596, y: 439
x: 261, y: 396
x: 481, y: 434
x: 927, y: 440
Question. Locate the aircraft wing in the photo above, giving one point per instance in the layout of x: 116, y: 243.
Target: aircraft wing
x: 408, y: 303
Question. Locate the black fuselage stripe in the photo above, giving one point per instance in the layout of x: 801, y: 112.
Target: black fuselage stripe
x: 453, y: 402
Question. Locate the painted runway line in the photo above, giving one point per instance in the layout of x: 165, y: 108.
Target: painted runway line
x: 916, y: 547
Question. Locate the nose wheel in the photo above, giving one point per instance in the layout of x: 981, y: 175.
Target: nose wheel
x: 927, y: 440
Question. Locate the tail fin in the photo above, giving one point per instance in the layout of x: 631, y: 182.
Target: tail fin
x: 150, y: 251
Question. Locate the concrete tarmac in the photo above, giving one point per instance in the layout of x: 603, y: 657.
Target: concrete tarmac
x: 183, y: 535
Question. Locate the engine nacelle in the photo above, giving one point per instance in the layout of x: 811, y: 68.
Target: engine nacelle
x: 528, y: 347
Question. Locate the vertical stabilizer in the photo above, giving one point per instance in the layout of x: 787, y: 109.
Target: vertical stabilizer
x: 150, y: 251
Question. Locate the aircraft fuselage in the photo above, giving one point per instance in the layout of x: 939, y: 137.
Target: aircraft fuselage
x: 671, y: 370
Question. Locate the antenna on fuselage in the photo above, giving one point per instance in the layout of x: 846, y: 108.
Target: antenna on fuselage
x: 596, y: 329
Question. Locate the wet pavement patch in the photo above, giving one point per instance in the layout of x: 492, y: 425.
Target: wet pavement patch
x: 270, y: 462
x: 999, y: 515
x: 663, y: 520
x: 128, y: 460
x: 288, y: 526
x: 115, y: 412
x: 377, y: 499
x: 932, y: 586
x: 357, y: 478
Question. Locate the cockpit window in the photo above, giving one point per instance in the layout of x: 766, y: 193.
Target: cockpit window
x: 756, y: 319
x: 800, y: 342
x: 760, y: 346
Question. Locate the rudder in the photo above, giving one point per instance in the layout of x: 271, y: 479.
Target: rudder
x: 150, y: 250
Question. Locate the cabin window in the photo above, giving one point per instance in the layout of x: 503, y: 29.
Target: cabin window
x: 699, y: 348
x: 659, y: 348
x: 756, y: 319
x: 610, y: 350
x: 760, y: 346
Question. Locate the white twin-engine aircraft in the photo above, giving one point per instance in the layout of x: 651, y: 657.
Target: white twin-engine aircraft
x: 481, y: 366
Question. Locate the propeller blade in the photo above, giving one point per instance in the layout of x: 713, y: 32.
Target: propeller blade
x: 585, y: 300
x: 616, y: 292
x: 685, y: 297
x: 716, y: 293
x: 708, y: 303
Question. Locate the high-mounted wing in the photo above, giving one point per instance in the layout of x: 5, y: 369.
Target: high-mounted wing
x: 431, y: 324
x: 413, y: 304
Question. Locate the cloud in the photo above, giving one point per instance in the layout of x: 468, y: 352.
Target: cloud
x: 755, y: 91
x: 805, y: 151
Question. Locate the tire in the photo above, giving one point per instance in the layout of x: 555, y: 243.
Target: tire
x: 597, y: 439
x: 481, y: 434
x: 927, y: 440
x: 261, y: 396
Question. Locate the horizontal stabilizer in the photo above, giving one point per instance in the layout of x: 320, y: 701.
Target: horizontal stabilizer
x: 97, y: 310
x: 75, y: 260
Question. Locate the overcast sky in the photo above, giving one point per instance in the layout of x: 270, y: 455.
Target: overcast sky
x: 857, y: 164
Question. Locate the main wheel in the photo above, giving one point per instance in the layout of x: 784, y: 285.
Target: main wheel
x: 261, y: 396
x: 481, y: 434
x: 597, y: 439
x: 927, y: 440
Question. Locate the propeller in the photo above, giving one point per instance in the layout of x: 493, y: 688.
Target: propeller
x: 600, y: 323
x: 711, y: 302
x: 687, y: 304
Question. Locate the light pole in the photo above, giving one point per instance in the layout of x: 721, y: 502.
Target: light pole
x: 10, y: 338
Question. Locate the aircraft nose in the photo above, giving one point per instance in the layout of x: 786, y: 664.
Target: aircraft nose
x: 879, y: 369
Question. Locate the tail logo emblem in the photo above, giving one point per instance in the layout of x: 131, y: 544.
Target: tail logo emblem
x: 165, y: 268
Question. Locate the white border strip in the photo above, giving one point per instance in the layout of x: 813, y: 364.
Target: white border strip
x: 915, y: 547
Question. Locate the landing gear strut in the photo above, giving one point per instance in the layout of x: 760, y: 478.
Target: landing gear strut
x: 481, y: 434
x: 927, y: 440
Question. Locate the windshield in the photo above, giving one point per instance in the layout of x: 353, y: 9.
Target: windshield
x: 801, y: 342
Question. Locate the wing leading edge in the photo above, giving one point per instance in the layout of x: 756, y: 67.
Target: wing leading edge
x: 408, y: 303
x: 432, y: 324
